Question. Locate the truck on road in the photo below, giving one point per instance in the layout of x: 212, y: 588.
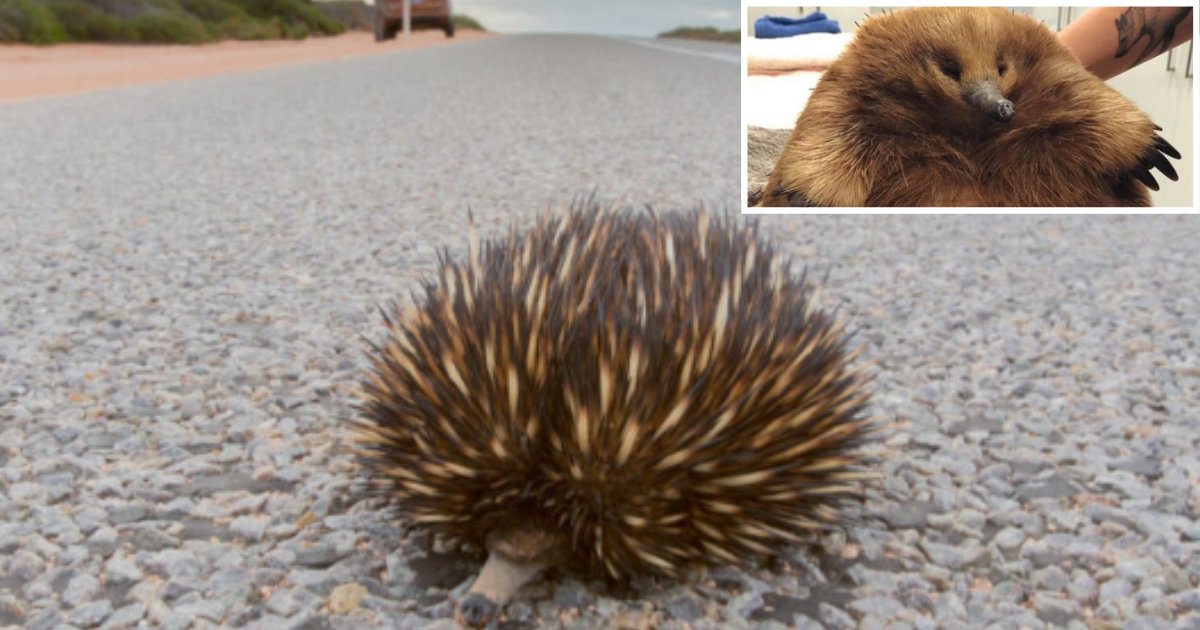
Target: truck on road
x: 389, y: 17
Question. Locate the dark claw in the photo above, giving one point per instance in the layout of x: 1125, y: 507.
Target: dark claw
x: 1144, y: 175
x: 1157, y: 128
x: 1154, y: 159
x: 476, y: 611
x: 797, y: 200
x: 1165, y: 147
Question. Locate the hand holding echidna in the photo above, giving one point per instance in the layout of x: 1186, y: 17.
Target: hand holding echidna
x: 615, y: 393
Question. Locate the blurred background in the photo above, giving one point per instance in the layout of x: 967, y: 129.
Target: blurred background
x: 199, y: 21
x: 1161, y: 87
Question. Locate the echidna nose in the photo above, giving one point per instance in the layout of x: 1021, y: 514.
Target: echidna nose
x: 1004, y: 111
x: 476, y: 610
x: 985, y: 96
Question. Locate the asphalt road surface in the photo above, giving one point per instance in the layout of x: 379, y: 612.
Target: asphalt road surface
x: 187, y: 272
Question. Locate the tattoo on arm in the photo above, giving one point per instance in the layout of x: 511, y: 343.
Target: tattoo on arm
x: 1135, y: 23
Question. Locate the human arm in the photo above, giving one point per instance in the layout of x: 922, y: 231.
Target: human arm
x: 1111, y: 40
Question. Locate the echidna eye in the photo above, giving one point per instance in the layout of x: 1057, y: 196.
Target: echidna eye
x: 1002, y: 67
x: 950, y: 68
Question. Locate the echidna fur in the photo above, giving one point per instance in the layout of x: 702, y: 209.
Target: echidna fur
x: 658, y: 388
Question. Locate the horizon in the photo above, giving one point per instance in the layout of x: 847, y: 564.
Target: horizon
x: 615, y: 17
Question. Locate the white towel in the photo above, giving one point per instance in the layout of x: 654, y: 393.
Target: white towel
x: 814, y: 51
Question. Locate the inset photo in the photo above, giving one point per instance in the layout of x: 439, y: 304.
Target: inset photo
x: 921, y: 107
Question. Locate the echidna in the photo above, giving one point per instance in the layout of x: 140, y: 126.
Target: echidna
x: 616, y: 393
x: 966, y: 106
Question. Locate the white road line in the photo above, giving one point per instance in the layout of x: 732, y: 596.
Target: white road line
x: 719, y: 56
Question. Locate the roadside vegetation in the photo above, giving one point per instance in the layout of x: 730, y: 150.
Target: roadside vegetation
x: 160, y: 21
x: 466, y: 21
x: 705, y: 33
x: 182, y: 21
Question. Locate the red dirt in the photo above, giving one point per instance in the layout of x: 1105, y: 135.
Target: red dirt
x: 30, y: 72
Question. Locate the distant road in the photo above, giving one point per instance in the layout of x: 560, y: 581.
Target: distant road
x: 720, y: 51
x: 503, y: 123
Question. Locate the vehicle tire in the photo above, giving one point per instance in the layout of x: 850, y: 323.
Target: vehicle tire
x: 449, y: 27
x: 384, y: 31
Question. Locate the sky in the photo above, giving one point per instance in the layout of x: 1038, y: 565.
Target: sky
x: 613, y: 17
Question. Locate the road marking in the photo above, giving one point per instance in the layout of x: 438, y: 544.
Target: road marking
x: 719, y: 56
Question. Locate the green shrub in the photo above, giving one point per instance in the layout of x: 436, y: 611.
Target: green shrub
x: 10, y: 32
x: 85, y: 23
x: 351, y: 14
x: 294, y: 12
x: 296, y: 30
x: 213, y: 10
x: 466, y: 21
x: 34, y: 22
x: 174, y: 21
x: 169, y: 28
x: 706, y: 33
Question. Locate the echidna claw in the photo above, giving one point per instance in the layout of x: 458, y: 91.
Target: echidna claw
x: 1163, y: 146
x: 1146, y: 178
x: 1159, y: 161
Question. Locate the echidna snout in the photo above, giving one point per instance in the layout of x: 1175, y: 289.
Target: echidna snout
x: 517, y: 554
x: 615, y: 394
x: 476, y: 611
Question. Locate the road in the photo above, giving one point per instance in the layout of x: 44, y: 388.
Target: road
x: 505, y: 125
x: 187, y: 273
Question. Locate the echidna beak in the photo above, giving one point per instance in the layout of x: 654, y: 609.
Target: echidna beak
x: 986, y: 97
x: 476, y: 611
x: 496, y: 584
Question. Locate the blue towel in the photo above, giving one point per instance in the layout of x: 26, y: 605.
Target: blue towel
x: 772, y: 26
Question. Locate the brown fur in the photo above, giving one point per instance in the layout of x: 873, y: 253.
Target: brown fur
x: 886, y: 127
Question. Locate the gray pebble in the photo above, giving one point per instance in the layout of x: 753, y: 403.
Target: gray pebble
x: 281, y: 602
x: 125, y: 617
x: 280, y: 558
x: 12, y: 610
x: 1009, y: 591
x: 121, y: 570
x: 91, y: 614
x: 1054, y: 609
x: 81, y: 588
x: 103, y: 541
x: 685, y: 608
x: 1142, y: 622
x: 174, y: 563
x: 198, y: 607
x: 519, y: 610
x: 951, y: 557
x: 1138, y: 569
x: 1051, y: 578
x: 745, y: 604
x: 571, y: 594
x: 122, y: 512
x: 1041, y: 552
x: 834, y: 617
x: 880, y: 607
x: 1009, y: 538
x: 1053, y: 487
x: 24, y: 566
x: 1126, y: 484
x: 910, y: 514
x: 1114, y: 589
x: 1144, y: 466
x: 318, y: 557
x: 249, y: 528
